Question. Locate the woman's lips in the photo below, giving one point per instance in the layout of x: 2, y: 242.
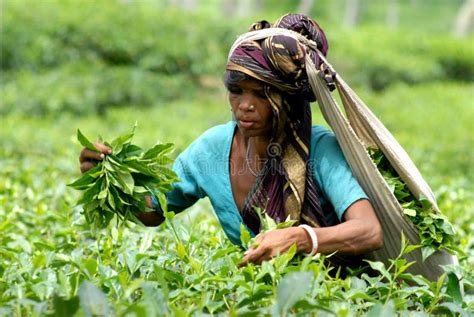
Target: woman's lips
x: 246, y: 124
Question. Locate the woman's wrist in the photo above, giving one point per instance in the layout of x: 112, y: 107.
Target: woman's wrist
x: 310, y: 240
x: 303, y: 240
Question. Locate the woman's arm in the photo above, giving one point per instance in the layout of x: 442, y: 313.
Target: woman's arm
x: 184, y: 193
x: 359, y: 233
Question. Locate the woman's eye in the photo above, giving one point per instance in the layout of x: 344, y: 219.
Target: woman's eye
x: 235, y: 91
x: 261, y: 94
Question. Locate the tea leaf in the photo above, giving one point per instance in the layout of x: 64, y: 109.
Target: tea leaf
x: 385, y: 310
x: 409, y: 212
x: 411, y: 247
x: 86, y: 180
x: 426, y: 252
x: 454, y: 287
x: 126, y: 181
x: 244, y: 236
x: 92, y: 300
x: 291, y: 289
x: 158, y: 150
x: 85, y: 142
x: 65, y: 307
x: 379, y: 267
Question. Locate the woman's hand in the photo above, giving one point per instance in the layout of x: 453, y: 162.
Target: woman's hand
x: 359, y: 233
x: 89, y: 158
x: 150, y: 219
x: 272, y: 243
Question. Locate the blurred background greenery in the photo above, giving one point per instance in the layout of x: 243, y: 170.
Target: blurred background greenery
x: 102, y: 65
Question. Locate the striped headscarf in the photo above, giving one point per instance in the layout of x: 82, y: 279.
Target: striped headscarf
x: 285, y: 185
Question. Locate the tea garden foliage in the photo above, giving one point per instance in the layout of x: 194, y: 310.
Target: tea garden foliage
x: 58, y: 72
x: 53, y: 263
x: 143, y: 53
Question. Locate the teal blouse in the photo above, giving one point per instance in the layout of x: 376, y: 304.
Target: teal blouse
x: 203, y: 170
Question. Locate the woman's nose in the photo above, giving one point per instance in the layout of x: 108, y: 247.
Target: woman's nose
x: 246, y: 104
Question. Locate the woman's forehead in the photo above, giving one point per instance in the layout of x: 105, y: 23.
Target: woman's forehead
x: 251, y: 84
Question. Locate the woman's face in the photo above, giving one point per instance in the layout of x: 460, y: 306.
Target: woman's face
x: 256, y: 120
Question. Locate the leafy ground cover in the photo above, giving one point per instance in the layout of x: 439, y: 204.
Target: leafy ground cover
x: 53, y: 264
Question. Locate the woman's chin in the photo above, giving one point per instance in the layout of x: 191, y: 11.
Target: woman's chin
x: 248, y: 132
x: 252, y: 132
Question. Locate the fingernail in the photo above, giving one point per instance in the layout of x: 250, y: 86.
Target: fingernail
x: 102, y: 155
x: 246, y: 252
x: 109, y: 151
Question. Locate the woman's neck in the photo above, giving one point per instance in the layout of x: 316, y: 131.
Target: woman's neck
x: 259, y: 146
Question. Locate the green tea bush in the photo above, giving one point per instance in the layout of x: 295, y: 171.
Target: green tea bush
x: 455, y: 57
x: 57, y: 58
x: 26, y: 34
x: 440, y: 115
x: 44, y: 34
x: 52, y: 264
x: 81, y: 88
x: 376, y: 57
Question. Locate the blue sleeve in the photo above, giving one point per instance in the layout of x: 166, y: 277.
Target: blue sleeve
x: 332, y: 173
x: 186, y: 191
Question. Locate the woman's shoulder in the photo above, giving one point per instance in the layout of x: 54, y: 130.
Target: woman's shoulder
x: 323, y: 142
x: 320, y: 133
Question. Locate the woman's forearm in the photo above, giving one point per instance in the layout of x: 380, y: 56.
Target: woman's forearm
x: 352, y: 237
x: 361, y: 232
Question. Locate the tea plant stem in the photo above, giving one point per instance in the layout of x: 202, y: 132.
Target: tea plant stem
x: 226, y: 303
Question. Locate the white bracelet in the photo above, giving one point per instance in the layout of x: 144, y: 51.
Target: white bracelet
x: 314, y: 239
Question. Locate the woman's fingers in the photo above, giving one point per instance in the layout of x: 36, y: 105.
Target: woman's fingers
x: 87, y: 165
x: 270, y: 244
x: 103, y: 148
x: 256, y: 256
x: 88, y: 158
x: 259, y: 238
x: 87, y: 154
x: 258, y: 253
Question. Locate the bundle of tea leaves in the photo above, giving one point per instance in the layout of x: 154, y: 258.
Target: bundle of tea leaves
x: 434, y: 230
x: 117, y: 186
